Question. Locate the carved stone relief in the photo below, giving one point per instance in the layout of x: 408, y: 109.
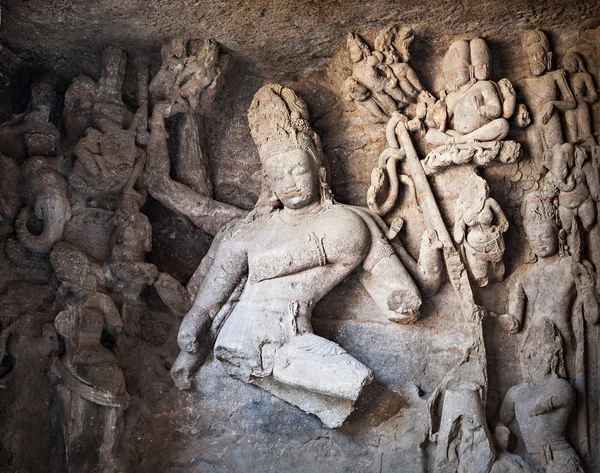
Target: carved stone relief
x: 383, y: 332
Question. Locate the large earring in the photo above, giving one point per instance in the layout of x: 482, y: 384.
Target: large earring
x: 326, y: 194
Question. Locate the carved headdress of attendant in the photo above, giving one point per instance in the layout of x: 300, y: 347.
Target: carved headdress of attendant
x: 537, y: 208
x: 538, y: 212
x: 278, y: 121
x: 537, y: 47
x: 457, y: 65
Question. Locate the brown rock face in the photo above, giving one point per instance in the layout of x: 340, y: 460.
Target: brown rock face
x: 299, y: 236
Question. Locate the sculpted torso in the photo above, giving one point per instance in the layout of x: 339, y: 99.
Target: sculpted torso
x: 474, y: 107
x: 291, y: 266
x: 480, y: 225
x: 540, y: 90
x: 542, y: 412
x: 550, y: 291
x: 339, y: 232
x: 366, y: 73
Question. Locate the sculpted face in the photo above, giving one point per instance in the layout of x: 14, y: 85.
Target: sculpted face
x: 538, y: 59
x: 543, y: 238
x: 571, y: 64
x: 458, y: 77
x: 295, y: 178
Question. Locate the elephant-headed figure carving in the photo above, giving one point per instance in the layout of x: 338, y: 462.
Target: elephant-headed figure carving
x: 571, y: 176
x: 41, y: 222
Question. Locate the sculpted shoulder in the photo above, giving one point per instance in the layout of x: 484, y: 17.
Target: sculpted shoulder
x: 346, y: 236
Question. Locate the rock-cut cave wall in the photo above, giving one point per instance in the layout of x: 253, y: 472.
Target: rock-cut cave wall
x: 313, y: 236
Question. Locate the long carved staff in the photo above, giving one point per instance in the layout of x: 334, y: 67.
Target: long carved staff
x: 398, y: 136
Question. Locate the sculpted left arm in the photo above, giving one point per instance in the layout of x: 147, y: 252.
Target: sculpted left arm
x: 227, y: 270
x: 592, y: 95
x: 568, y: 100
x: 499, y: 214
x: 113, y: 323
x: 491, y: 107
x: 563, y: 398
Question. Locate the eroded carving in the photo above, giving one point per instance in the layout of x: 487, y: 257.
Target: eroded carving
x: 578, y: 120
x: 470, y: 121
x: 479, y: 229
x: 542, y: 404
x: 295, y: 246
x: 546, y: 93
x: 89, y: 382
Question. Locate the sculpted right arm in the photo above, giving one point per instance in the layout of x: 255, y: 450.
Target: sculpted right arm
x: 230, y: 265
x: 512, y: 322
x: 506, y: 415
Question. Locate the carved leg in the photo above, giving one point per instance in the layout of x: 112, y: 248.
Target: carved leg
x: 499, y: 270
x: 113, y: 428
x: 495, y: 130
x: 587, y: 214
x: 571, y: 121
x: 566, y: 218
x: 386, y: 102
x: 477, y: 267
x: 536, y: 146
x: 584, y: 125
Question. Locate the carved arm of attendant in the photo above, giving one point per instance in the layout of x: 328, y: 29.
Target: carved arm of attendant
x: 491, y: 107
x: 411, y: 85
x: 498, y: 214
x: 568, y: 102
x: 517, y: 301
x: 553, y: 402
x: 460, y: 228
x: 87, y: 150
x: 113, y: 323
x: 591, y: 95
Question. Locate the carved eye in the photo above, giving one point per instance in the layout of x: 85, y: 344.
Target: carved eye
x: 299, y: 170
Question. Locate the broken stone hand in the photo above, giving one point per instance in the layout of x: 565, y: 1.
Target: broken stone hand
x: 194, y: 332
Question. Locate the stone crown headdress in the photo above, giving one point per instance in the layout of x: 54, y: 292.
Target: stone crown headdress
x: 534, y: 37
x: 278, y: 121
x: 537, y: 208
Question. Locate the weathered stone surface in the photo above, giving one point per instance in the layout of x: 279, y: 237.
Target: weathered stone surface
x: 435, y: 383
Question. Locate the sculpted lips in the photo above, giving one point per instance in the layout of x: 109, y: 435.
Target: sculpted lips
x: 297, y: 193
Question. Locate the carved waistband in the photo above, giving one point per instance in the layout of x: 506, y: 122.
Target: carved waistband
x: 90, y: 393
x: 545, y: 449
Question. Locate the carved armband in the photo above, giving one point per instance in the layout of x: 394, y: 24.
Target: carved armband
x: 319, y: 249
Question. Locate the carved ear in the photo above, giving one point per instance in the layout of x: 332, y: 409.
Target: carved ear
x: 549, y: 64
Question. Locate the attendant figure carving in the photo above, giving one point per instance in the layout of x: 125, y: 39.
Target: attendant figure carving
x: 556, y: 288
x: 479, y: 229
x: 187, y: 77
x: 579, y: 124
x: 543, y: 403
x: 546, y: 93
x: 90, y: 385
x: 470, y: 121
x: 573, y: 178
